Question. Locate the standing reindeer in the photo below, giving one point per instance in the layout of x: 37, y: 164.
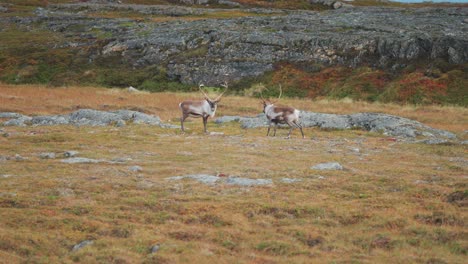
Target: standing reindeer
x: 281, y: 115
x: 204, y: 108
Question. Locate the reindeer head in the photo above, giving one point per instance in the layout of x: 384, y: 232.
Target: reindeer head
x: 267, y: 102
x: 213, y: 103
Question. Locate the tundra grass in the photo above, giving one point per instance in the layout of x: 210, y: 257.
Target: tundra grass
x: 389, y: 204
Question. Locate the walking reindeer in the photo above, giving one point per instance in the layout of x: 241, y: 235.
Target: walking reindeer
x: 281, y: 115
x: 204, y: 109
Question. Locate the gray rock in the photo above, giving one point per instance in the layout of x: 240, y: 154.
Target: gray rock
x: 229, y: 3
x: 47, y: 155
x: 202, y: 178
x: 88, y: 117
x: 235, y: 48
x: 155, y: 248
x: 135, y: 169
x: 132, y: 89
x: 10, y: 115
x: 330, y: 3
x: 82, y: 244
x: 20, y: 121
x: 327, y: 166
x: 50, y: 120
x: 18, y: 157
x: 120, y: 160
x: 216, y: 133
x: 290, y: 180
x: 248, y: 182
x: 373, y: 122
x: 211, y: 179
x: 92, y: 117
x: 79, y: 160
x: 70, y: 153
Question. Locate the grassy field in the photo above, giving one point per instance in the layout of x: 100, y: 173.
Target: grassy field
x: 393, y: 203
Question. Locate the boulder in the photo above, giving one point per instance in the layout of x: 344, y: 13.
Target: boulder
x: 374, y: 122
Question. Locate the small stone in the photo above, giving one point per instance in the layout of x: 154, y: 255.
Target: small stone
x: 216, y: 134
x: 132, y: 89
x: 82, y: 244
x: 18, y: 157
x: 120, y: 160
x: 289, y: 180
x: 70, y: 153
x: 47, y: 155
x: 421, y: 182
x: 155, y: 248
x: 355, y: 150
x: 79, y: 160
x: 248, y: 182
x: 202, y: 178
x: 327, y: 166
x: 135, y: 169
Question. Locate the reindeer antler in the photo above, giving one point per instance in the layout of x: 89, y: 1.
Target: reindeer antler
x: 225, y: 85
x: 281, y: 92
x: 200, y: 85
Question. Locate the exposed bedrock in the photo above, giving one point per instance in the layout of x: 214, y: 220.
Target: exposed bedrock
x: 213, y: 50
x: 374, y: 122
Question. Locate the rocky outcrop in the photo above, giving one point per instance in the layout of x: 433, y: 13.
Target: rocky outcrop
x: 330, y: 3
x: 232, y: 180
x: 212, y: 50
x: 374, y: 122
x: 86, y: 117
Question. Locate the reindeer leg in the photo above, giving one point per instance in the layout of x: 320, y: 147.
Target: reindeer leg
x: 205, y: 119
x: 291, y: 125
x: 274, y: 129
x: 182, y: 119
x: 268, y: 132
x: 300, y: 127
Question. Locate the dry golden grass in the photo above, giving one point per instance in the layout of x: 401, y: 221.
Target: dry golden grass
x: 389, y: 205
x: 38, y: 100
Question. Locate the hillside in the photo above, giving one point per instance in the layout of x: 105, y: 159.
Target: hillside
x: 387, y: 52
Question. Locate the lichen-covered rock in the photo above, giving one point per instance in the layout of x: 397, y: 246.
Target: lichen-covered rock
x: 20, y: 121
x: 328, y: 166
x: 213, y: 50
x: 82, y: 244
x: 248, y: 182
x: 373, y: 122
x: 86, y: 117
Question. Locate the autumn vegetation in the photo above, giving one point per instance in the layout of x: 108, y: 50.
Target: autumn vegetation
x: 394, y: 202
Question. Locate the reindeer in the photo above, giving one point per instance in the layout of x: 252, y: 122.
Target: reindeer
x: 281, y: 115
x: 204, y: 109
